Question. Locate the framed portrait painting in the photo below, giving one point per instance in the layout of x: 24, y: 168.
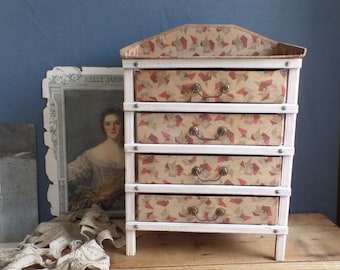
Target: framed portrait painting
x: 83, y: 120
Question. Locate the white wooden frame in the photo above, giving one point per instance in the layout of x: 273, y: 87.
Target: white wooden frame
x: 290, y: 109
x: 58, y: 81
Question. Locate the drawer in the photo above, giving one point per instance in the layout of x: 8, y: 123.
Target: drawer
x: 266, y: 86
x: 209, y: 128
x: 207, y: 209
x: 212, y: 170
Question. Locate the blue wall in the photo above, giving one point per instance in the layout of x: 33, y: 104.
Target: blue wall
x: 37, y: 35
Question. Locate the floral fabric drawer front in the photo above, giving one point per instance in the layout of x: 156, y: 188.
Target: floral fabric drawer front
x: 207, y: 209
x: 212, y: 170
x: 268, y: 86
x: 206, y: 128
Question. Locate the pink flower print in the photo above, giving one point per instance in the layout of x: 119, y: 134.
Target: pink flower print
x: 148, y: 205
x: 162, y: 203
x: 171, y: 219
x: 242, y: 92
x: 148, y: 47
x: 160, y: 43
x: 208, y: 45
x: 283, y: 73
x: 180, y: 44
x: 140, y: 87
x: 166, y: 136
x: 204, y: 76
x: 154, y: 139
x: 256, y: 118
x: 160, y: 77
x: 145, y: 171
x: 186, y: 89
x: 205, y: 167
x: 174, y: 169
x: 208, y: 202
x: 193, y: 39
x: 205, y: 119
x: 236, y: 200
x: 222, y: 158
x: 255, y: 168
x: 188, y: 139
x: 247, y: 168
x: 173, y: 121
x: 254, y: 37
x: 265, y: 84
x: 266, y: 138
x: 230, y: 136
x: 220, y: 42
x: 242, y: 181
x: 221, y: 203
x: 240, y: 42
x: 283, y: 91
x: 267, y: 210
x: 193, y: 159
x: 148, y: 159
x: 245, y: 217
x: 243, y: 132
x: 189, y: 76
x: 165, y: 95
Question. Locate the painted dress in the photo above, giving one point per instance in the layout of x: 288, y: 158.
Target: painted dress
x: 91, y: 180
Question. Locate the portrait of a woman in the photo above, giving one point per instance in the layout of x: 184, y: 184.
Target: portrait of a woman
x: 97, y: 175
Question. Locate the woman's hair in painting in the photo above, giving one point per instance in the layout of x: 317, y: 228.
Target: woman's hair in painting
x: 113, y: 110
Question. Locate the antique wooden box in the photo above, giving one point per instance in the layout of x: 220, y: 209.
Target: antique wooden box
x: 210, y: 115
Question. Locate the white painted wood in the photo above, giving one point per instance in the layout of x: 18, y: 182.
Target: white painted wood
x: 235, y: 63
x: 211, y: 107
x: 209, y: 149
x: 209, y: 189
x: 287, y: 164
x: 208, y: 227
x: 130, y: 242
x: 128, y: 85
x: 293, y: 85
x: 129, y: 128
x: 280, y: 245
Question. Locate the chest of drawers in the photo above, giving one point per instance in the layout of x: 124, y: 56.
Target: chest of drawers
x: 210, y: 115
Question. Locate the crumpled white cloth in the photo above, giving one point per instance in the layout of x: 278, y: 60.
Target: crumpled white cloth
x: 73, y: 242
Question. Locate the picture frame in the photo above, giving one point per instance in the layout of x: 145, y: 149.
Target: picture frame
x: 75, y: 98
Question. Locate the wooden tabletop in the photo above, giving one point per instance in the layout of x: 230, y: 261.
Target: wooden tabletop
x: 313, y: 243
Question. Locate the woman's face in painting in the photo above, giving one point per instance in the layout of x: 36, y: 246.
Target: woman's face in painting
x: 112, y: 126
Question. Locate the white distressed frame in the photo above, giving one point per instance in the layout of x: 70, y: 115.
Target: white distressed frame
x: 57, y: 81
x: 290, y: 109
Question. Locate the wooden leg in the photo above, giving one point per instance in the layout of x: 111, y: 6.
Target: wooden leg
x: 280, y: 247
x: 130, y: 242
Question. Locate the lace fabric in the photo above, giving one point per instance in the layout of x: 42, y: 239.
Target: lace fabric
x: 72, y: 241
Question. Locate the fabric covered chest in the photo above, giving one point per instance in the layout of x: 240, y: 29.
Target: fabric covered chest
x: 210, y: 114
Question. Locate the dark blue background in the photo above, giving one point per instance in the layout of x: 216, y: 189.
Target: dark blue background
x: 36, y: 35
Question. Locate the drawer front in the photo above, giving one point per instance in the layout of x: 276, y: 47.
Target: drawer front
x: 207, y: 209
x: 206, y: 128
x: 267, y: 86
x: 212, y: 170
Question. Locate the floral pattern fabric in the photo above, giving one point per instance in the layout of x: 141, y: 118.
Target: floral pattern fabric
x: 208, y: 41
x: 243, y: 129
x: 240, y: 170
x: 232, y: 209
x: 266, y: 86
